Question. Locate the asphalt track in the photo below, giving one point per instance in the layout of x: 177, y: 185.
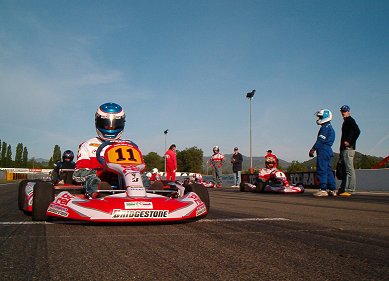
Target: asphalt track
x: 246, y: 236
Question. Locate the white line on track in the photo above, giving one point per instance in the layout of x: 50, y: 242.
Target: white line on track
x: 202, y: 221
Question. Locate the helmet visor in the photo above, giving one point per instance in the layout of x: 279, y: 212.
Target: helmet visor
x: 109, y: 123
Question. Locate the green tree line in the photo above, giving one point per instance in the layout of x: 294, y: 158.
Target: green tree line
x: 188, y: 160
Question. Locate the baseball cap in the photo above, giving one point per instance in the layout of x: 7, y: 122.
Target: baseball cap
x: 345, y: 108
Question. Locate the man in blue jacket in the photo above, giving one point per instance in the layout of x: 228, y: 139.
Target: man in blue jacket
x: 323, y: 148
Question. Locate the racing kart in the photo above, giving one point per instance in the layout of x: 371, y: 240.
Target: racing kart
x: 130, y: 202
x: 276, y: 183
x: 193, y: 180
x: 26, y: 188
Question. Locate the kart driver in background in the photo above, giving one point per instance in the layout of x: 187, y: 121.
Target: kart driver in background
x: 270, y: 166
x: 67, y: 163
x: 270, y: 172
x: 109, y: 121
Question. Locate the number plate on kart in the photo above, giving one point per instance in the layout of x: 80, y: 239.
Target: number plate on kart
x: 123, y: 154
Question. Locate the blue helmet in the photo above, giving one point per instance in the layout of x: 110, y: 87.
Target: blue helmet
x: 345, y: 108
x: 323, y: 116
x: 109, y: 121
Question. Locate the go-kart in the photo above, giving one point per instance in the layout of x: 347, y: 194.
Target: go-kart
x: 132, y: 202
x: 275, y: 183
x: 26, y: 188
x: 195, y: 180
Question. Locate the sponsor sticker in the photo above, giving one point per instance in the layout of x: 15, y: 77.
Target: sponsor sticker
x: 58, y: 210
x: 30, y: 188
x: 201, y: 210
x: 137, y: 214
x: 138, y: 205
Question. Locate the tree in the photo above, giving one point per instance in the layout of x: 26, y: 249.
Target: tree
x: 8, y: 157
x: 56, y: 154
x: 3, y: 154
x: 25, y: 157
x: 296, y: 166
x: 18, y: 156
x: 153, y: 160
x: 51, y: 164
x: 190, y: 160
x: 366, y: 162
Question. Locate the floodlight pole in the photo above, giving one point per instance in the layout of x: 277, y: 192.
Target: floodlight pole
x: 250, y: 97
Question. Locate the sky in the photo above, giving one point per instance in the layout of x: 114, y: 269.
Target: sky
x: 186, y: 66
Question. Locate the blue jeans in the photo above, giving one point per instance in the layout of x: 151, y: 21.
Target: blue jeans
x: 217, y: 175
x: 349, y: 179
x: 237, y: 177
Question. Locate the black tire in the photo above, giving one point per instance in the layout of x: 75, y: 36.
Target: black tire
x: 241, y: 187
x: 202, y: 192
x: 43, y: 196
x: 21, y: 191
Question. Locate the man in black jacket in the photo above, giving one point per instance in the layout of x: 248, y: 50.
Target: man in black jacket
x: 350, y: 134
x: 236, y: 161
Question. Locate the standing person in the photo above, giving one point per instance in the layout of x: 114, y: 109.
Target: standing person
x: 350, y: 134
x: 323, y: 148
x: 109, y: 123
x: 237, y: 160
x: 216, y: 162
x: 171, y: 163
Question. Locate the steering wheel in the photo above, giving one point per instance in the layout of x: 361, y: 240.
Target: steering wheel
x: 99, y: 149
x: 100, y: 158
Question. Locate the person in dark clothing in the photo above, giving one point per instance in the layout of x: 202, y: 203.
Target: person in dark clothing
x: 323, y: 148
x: 237, y: 160
x: 350, y: 134
x: 63, y: 171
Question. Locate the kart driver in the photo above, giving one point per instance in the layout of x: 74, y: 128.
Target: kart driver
x: 109, y: 122
x: 270, y: 166
x: 270, y: 172
x: 67, y: 163
x: 155, y: 176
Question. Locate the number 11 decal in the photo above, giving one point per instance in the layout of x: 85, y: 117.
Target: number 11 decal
x: 119, y: 152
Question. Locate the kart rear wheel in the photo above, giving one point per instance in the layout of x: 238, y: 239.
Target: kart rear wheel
x: 202, y: 192
x: 43, y: 196
x: 21, y: 193
x: 241, y: 187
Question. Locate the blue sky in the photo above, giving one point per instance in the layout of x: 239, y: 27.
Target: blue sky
x: 187, y: 65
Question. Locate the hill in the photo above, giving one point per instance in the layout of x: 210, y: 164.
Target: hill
x: 258, y: 162
x: 361, y: 161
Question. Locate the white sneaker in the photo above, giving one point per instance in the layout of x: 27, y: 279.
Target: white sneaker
x: 321, y: 193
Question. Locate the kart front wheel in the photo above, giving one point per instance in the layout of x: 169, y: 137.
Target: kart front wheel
x: 43, y: 196
x: 21, y: 193
x: 202, y: 192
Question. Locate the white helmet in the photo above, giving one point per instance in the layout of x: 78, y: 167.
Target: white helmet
x: 216, y: 149
x: 323, y: 116
x: 154, y: 171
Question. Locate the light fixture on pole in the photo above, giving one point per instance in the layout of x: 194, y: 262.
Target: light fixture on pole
x: 250, y: 96
x: 165, y: 132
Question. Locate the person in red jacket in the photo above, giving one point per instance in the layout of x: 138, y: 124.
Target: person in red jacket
x: 171, y: 163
